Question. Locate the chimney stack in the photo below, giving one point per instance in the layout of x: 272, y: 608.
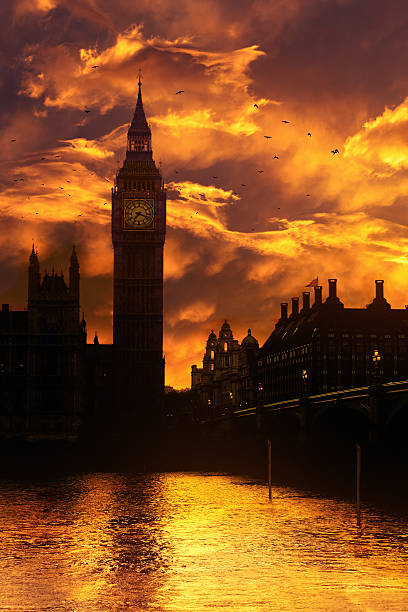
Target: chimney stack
x: 332, y: 287
x: 317, y: 295
x: 379, y: 289
x: 306, y: 300
x: 295, y: 306
x: 284, y: 310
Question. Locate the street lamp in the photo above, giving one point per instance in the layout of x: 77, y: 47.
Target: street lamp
x: 304, y: 381
x: 376, y: 359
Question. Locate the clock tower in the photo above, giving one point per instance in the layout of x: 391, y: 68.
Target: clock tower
x: 138, y: 234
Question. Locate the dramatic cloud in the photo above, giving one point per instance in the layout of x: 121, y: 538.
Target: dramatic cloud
x: 250, y: 219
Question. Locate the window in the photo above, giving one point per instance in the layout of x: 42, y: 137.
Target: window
x: 211, y: 354
x: 225, y: 346
x: 212, y: 366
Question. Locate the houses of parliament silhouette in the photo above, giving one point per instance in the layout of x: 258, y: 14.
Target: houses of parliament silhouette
x: 52, y: 383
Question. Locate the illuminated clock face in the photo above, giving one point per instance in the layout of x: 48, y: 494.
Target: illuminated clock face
x: 138, y: 213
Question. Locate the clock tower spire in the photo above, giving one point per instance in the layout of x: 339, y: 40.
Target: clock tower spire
x: 138, y: 234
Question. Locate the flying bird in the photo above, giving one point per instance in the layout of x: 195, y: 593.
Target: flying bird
x: 176, y: 171
x: 15, y: 180
x: 309, y: 134
x: 202, y: 195
x: 243, y: 185
x: 283, y: 121
x: 278, y: 208
x: 260, y: 171
x: 267, y: 136
x: 256, y: 106
x: 215, y: 177
x: 179, y: 91
x: 275, y: 157
x: 95, y: 66
x: 42, y: 159
x: 87, y: 111
x: 13, y: 140
x: 58, y: 156
x: 68, y: 181
x: 334, y: 151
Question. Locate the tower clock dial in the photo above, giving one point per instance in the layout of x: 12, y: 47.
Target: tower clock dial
x: 138, y: 213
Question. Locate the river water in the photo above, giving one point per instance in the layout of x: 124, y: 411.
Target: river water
x: 108, y: 542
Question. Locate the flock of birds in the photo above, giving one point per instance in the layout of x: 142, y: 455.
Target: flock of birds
x: 202, y: 195
x: 62, y: 188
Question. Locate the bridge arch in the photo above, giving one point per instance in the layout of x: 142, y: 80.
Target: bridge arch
x: 345, y: 424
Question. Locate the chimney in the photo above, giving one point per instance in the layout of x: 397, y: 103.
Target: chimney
x: 317, y: 295
x: 5, y: 307
x: 379, y: 289
x: 332, y: 287
x: 284, y: 310
x: 306, y: 300
x: 295, y: 306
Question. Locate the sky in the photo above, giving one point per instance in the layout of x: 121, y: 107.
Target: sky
x: 250, y: 220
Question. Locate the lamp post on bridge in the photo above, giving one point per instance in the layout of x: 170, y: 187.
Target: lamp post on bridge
x: 303, y: 404
x: 375, y: 392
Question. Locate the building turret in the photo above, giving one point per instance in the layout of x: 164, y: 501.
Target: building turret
x: 250, y: 341
x: 74, y: 275
x: 33, y: 275
x: 209, y: 356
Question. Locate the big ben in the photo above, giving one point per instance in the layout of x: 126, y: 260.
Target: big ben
x: 138, y: 234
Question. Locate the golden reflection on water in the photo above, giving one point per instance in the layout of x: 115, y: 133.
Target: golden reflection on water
x: 179, y: 542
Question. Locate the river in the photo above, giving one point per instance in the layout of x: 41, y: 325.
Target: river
x: 107, y: 542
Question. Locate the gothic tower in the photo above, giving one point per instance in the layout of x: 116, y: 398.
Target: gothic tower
x: 138, y: 234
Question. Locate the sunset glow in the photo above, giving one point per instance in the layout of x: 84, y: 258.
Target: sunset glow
x: 250, y: 220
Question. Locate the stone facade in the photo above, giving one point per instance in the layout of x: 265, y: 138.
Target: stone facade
x: 225, y: 383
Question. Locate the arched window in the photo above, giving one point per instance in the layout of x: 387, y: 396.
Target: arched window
x: 211, y: 354
x: 225, y: 346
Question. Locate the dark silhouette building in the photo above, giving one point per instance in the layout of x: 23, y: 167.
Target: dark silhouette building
x: 54, y: 385
x: 138, y: 234
x: 326, y: 347
x: 227, y: 380
x: 316, y: 348
x: 42, y: 367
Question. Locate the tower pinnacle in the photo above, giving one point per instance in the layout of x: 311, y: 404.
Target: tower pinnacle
x: 139, y: 134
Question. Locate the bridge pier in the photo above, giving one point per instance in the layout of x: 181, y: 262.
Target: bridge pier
x: 304, y: 419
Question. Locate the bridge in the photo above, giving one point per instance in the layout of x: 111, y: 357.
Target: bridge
x: 369, y: 412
